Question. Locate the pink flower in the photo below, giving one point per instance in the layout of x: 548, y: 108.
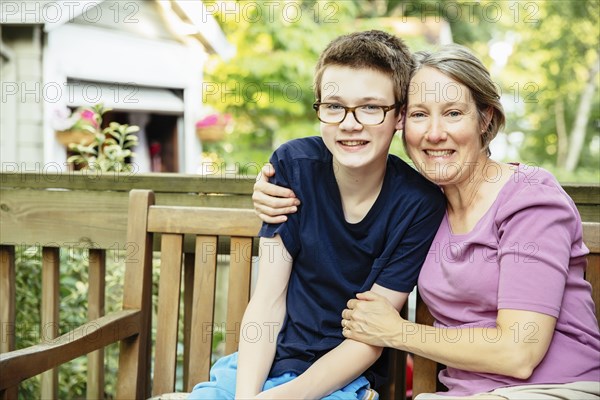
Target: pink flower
x: 214, y: 119
x: 89, y: 116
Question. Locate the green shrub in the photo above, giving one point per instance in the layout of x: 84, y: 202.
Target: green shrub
x: 73, y: 287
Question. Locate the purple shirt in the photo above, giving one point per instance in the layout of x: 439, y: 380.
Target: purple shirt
x: 525, y: 253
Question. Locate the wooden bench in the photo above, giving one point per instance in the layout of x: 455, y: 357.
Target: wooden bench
x: 132, y: 325
x: 196, y: 272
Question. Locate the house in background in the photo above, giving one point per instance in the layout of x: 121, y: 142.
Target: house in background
x: 143, y: 59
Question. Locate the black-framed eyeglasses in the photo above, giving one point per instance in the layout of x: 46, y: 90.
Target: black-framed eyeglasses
x: 366, y: 114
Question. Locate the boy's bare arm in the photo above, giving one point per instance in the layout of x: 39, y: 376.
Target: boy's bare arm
x: 337, y: 368
x: 267, y: 311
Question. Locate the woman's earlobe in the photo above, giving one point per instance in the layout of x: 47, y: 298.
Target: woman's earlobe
x: 489, y: 114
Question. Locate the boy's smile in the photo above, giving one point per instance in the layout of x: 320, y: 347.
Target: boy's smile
x: 352, y: 144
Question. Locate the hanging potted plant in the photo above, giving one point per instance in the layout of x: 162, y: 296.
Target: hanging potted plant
x: 76, y: 127
x: 213, y: 127
x: 110, y: 148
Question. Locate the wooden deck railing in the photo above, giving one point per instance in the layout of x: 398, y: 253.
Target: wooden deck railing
x: 55, y: 211
x: 80, y: 210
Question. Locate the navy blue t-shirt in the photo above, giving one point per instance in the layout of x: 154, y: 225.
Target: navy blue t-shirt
x: 333, y: 259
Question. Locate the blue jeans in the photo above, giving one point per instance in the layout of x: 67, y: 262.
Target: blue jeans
x: 223, y: 375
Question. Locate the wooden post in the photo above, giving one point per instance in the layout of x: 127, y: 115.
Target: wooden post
x: 134, y: 359
x: 49, y: 319
x: 239, y: 290
x: 169, y: 288
x: 188, y: 298
x: 7, y: 307
x: 202, y: 310
x: 96, y: 294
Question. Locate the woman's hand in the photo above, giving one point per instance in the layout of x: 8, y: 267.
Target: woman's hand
x: 270, y: 201
x: 372, y: 319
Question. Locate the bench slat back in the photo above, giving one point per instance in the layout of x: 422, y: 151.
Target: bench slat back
x: 202, y: 276
x: 199, y: 276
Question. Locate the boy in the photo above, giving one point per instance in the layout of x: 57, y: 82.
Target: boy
x: 366, y: 223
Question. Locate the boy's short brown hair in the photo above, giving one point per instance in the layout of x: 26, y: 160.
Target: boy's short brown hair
x: 376, y: 50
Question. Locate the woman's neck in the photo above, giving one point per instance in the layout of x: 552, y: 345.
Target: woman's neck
x: 463, y: 194
x: 469, y: 200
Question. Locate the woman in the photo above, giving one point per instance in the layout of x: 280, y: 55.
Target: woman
x: 504, y: 276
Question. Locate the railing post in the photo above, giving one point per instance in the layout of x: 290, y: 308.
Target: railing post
x: 7, y: 307
x: 96, y: 294
x: 49, y: 318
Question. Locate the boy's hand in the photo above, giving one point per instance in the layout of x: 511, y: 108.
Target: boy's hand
x: 270, y: 201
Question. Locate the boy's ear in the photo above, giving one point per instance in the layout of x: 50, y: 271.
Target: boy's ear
x: 400, y: 123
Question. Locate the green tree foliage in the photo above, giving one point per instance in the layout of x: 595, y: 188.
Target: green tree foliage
x: 557, y: 48
x: 267, y: 85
